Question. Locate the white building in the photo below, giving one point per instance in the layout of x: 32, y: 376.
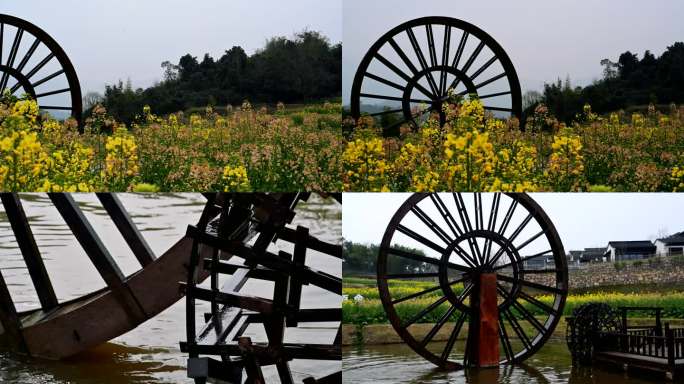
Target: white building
x: 671, y: 245
x: 629, y: 250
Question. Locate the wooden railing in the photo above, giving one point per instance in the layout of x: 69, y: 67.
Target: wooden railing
x: 644, y: 342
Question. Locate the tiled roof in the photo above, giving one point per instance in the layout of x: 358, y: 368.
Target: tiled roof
x: 632, y: 244
x: 677, y: 238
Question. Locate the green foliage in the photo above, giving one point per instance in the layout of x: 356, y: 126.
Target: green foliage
x: 628, y: 82
x: 370, y: 310
x: 304, y: 68
x: 619, y: 265
x: 361, y: 259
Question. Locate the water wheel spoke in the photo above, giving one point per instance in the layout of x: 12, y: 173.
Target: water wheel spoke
x: 47, y: 78
x: 427, y: 220
x: 40, y: 65
x: 445, y: 59
x: 459, y: 50
x: 403, y: 75
x: 55, y: 107
x: 537, y: 303
x: 528, y: 241
x: 55, y: 92
x: 12, y: 56
x: 441, y: 207
x: 28, y: 54
x: 479, y: 223
x: 530, y: 284
x: 424, y: 259
x: 422, y: 61
x: 29, y: 249
x: 505, y: 341
x: 419, y: 238
x: 468, y: 63
x: 440, y: 323
x: 424, y: 312
x: 483, y: 68
x: 497, y: 94
x: 517, y: 328
x: 467, y: 289
x: 530, y: 317
x: 403, y: 56
x: 414, y: 295
x: 490, y: 80
x: 511, y: 238
x: 453, y: 337
x: 500, y: 109
x: 385, y: 81
x: 431, y: 45
x: 441, y: 234
x: 2, y: 38
x: 507, y: 218
x: 391, y: 98
x: 524, y: 259
x: 491, y: 224
x: 465, y: 220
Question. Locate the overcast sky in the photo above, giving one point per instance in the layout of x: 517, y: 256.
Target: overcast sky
x: 112, y: 40
x: 544, y: 39
x: 582, y: 219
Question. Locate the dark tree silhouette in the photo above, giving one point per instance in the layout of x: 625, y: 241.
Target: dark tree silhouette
x: 629, y: 82
x: 304, y: 68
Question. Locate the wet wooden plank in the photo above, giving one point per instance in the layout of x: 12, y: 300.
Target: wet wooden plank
x: 127, y: 228
x: 29, y: 250
x: 98, y: 254
x: 11, y: 324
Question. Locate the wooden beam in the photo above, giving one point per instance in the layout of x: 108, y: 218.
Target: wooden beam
x: 488, y: 340
x: 127, y: 228
x: 29, y: 250
x: 11, y: 324
x: 299, y: 260
x: 98, y: 254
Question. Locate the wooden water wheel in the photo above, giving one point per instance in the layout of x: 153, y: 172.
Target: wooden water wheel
x: 35, y: 65
x: 61, y: 329
x: 237, y: 230
x: 446, y: 244
x: 412, y: 70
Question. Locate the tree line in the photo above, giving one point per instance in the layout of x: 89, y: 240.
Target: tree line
x: 360, y: 259
x: 631, y: 81
x: 303, y: 68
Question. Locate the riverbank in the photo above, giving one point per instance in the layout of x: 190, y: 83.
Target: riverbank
x: 381, y: 334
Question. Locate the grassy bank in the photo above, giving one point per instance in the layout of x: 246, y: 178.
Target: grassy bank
x: 370, y: 310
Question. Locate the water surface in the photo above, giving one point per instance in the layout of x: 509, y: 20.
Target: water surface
x: 397, y: 363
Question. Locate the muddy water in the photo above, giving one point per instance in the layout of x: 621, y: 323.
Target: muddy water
x: 150, y: 353
x: 395, y: 363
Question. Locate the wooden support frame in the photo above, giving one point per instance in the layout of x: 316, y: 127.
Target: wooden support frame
x: 233, y: 312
